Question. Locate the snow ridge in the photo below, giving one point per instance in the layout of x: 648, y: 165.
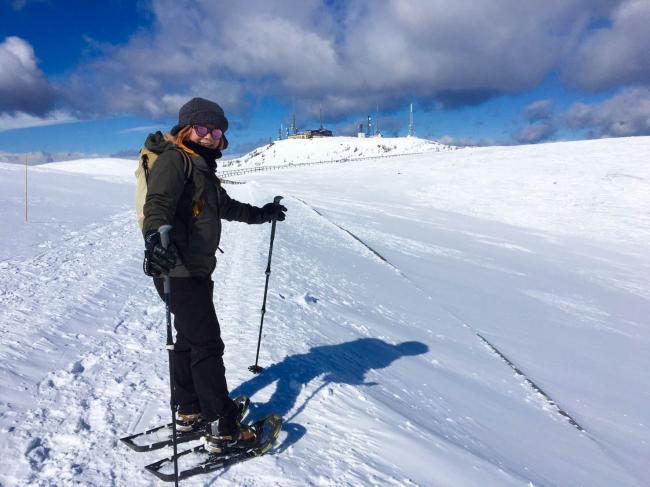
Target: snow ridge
x: 330, y: 149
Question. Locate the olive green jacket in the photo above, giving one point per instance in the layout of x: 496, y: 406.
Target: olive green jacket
x: 194, y: 208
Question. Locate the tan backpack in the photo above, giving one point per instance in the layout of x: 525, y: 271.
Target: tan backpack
x: 146, y: 162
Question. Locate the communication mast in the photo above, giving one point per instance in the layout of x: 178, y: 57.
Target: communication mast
x: 377, y: 132
x: 293, y: 129
x: 320, y: 111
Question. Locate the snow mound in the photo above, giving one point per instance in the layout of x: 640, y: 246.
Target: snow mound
x: 107, y: 169
x: 299, y: 151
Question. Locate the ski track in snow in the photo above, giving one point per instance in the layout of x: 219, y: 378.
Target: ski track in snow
x: 80, y: 283
x: 536, y: 396
x: 60, y: 292
x: 546, y: 402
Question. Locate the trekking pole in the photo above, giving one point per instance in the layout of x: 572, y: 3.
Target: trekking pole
x: 256, y: 369
x: 164, y: 239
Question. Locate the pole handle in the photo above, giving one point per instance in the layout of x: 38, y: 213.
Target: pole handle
x: 277, y: 199
x: 164, y: 230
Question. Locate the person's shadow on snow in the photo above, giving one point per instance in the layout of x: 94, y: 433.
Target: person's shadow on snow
x: 345, y: 363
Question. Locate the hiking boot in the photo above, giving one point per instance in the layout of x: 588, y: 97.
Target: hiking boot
x: 194, y: 421
x: 227, y: 433
x: 241, y: 438
x: 189, y: 422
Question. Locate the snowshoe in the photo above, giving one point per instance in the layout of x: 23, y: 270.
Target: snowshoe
x: 161, y: 436
x: 199, y: 460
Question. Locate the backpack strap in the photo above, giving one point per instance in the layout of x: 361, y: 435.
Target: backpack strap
x: 145, y: 166
x: 187, y: 163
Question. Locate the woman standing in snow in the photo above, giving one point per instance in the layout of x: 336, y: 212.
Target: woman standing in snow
x: 193, y: 202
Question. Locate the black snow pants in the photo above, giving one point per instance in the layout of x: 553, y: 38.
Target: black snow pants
x: 199, y: 372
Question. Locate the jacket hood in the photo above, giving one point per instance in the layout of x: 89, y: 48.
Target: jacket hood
x: 157, y: 143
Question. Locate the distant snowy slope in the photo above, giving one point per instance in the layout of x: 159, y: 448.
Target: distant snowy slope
x: 109, y: 169
x: 596, y: 188
x: 36, y: 158
x: 58, y: 202
x: 297, y: 151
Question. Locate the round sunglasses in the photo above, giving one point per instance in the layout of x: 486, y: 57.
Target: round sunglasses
x: 202, y: 131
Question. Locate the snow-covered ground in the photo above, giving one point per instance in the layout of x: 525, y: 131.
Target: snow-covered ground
x: 389, y: 279
x: 303, y: 151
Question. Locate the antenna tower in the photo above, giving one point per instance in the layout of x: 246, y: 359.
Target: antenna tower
x: 377, y: 121
x: 294, y: 129
x: 320, y: 110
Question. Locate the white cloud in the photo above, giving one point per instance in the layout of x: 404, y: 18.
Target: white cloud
x: 617, y: 54
x: 349, y: 55
x: 536, y: 132
x: 21, y: 120
x: 542, y: 123
x: 539, y: 110
x: 135, y: 130
x: 625, y: 114
x: 468, y: 141
x: 23, y: 87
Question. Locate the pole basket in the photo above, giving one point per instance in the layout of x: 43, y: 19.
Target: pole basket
x: 255, y: 369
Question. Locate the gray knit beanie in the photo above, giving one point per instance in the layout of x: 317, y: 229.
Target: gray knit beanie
x: 200, y: 111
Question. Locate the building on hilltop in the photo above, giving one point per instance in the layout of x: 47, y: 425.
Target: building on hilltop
x: 321, y: 132
x: 309, y: 134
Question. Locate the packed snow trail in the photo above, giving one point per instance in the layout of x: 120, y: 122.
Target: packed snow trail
x: 60, y: 292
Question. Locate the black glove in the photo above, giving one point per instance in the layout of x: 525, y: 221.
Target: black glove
x: 273, y: 211
x: 158, y: 261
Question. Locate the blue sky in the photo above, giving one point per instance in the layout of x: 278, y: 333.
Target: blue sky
x: 96, y: 77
